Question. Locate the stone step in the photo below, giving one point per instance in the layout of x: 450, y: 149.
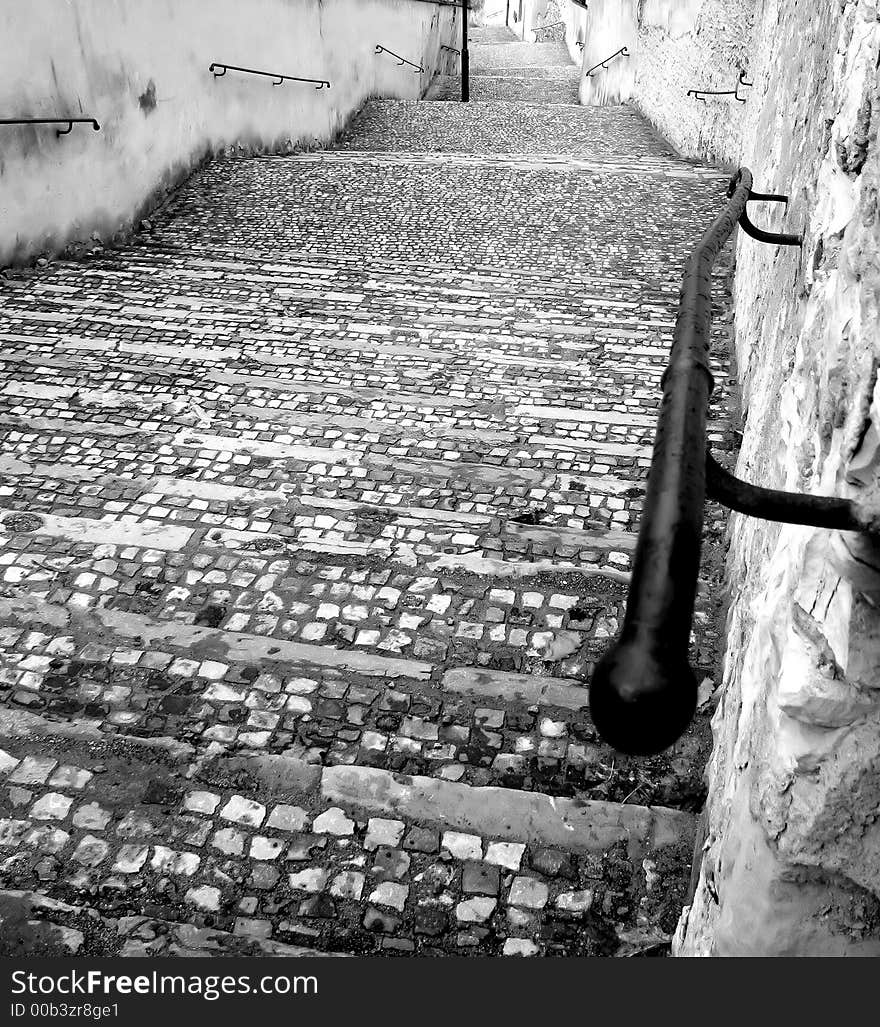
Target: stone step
x: 552, y: 348
x: 506, y: 126
x: 617, y: 396
x: 451, y: 159
x: 277, y: 852
x: 491, y: 35
x: 247, y: 269
x: 520, y: 53
x: 332, y: 702
x: 488, y: 85
x: 63, y: 929
x: 555, y: 72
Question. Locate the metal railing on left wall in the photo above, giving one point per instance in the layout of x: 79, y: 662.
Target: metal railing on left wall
x: 400, y: 60
x: 70, y: 122
x: 319, y: 83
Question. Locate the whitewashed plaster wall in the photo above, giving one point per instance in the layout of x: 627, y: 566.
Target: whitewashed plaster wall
x: 695, y: 44
x: 791, y: 861
x: 141, y: 69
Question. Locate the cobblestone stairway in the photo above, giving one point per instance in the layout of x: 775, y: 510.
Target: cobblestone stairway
x: 318, y: 503
x: 503, y: 68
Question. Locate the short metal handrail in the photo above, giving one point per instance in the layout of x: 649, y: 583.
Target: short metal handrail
x: 452, y: 49
x: 400, y: 60
x: 643, y: 693
x: 319, y: 83
x: 622, y: 52
x: 70, y: 122
x: 552, y: 25
x: 701, y: 94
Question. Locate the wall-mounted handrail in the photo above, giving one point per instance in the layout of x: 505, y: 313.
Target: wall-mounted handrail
x: 70, y: 122
x: 400, y: 60
x: 701, y: 94
x: 452, y: 49
x: 319, y: 83
x: 622, y: 52
x: 643, y: 692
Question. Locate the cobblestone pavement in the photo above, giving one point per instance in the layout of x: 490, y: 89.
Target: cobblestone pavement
x: 318, y: 505
x: 503, y: 68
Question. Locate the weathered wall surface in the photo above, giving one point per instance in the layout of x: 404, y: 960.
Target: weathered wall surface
x: 674, y: 46
x: 791, y: 863
x: 695, y: 44
x: 609, y: 26
x: 141, y: 69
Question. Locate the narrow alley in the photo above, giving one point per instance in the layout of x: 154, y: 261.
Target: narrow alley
x: 318, y: 505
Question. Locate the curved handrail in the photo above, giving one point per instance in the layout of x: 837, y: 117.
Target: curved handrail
x: 70, y: 122
x: 320, y: 83
x: 622, y: 52
x: 400, y: 60
x: 643, y: 693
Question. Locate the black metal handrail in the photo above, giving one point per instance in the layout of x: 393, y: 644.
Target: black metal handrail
x: 552, y: 25
x: 643, y: 692
x: 400, y: 60
x: 70, y: 122
x: 320, y: 83
x: 452, y: 49
x: 622, y: 52
x: 701, y: 94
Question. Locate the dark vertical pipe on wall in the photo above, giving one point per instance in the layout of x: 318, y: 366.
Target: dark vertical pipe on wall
x: 465, y: 56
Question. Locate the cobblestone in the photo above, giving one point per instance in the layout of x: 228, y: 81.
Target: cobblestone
x: 332, y: 487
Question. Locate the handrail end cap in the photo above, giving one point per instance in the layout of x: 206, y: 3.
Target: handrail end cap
x: 641, y: 703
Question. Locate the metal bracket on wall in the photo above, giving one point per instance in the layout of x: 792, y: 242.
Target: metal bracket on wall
x: 789, y: 507
x: 745, y: 223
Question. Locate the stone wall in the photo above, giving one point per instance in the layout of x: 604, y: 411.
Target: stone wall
x: 791, y: 862
x: 141, y: 69
x: 674, y: 46
x: 695, y: 44
x: 610, y: 25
